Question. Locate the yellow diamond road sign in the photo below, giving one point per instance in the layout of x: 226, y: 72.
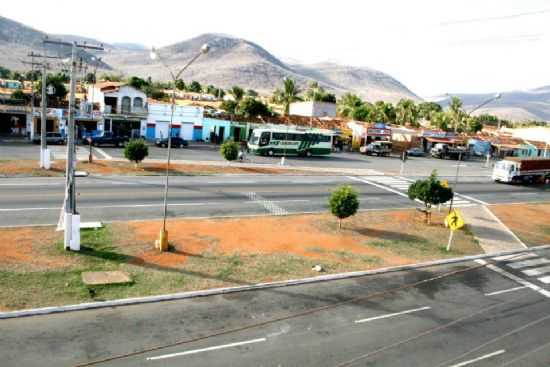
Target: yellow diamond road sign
x: 454, y: 220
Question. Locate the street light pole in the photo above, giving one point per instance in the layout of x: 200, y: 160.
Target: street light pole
x: 71, y: 218
x: 163, y: 236
x: 497, y: 96
x: 44, y: 153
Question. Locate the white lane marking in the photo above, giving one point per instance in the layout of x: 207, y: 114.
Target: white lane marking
x: 506, y: 290
x: 486, y: 356
x: 217, y: 347
x: 110, y: 206
x: 33, y: 184
x: 473, y: 199
x: 536, y: 271
x: 545, y: 280
x: 504, y: 225
x: 25, y: 209
x: 282, y: 201
x: 527, y: 263
x: 519, y: 280
x: 392, y: 315
x: 514, y: 257
x: 379, y: 186
x: 103, y: 153
x: 232, y: 182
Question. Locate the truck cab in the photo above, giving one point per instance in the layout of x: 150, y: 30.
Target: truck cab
x: 504, y: 171
x: 379, y: 148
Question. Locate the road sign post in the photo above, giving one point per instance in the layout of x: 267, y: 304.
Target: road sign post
x: 455, y: 221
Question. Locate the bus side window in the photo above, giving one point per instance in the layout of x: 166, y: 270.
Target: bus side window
x: 265, y: 137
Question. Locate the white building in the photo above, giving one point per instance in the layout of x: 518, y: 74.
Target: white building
x: 124, y: 108
x: 185, y: 120
x: 313, y: 109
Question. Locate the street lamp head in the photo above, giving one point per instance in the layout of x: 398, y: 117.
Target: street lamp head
x: 205, y: 48
x: 153, y: 54
x: 498, y: 96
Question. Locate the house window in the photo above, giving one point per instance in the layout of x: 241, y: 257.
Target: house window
x: 126, y: 102
x: 138, y: 103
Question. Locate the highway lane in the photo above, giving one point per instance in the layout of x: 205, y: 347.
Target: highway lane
x: 39, y: 200
x: 440, y: 316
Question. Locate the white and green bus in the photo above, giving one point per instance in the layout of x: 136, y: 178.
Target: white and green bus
x: 280, y: 141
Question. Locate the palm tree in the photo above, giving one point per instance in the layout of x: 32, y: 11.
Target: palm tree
x: 237, y: 93
x: 440, y: 120
x: 365, y: 112
x: 286, y: 96
x: 348, y: 103
x: 385, y: 112
x: 406, y: 112
x: 457, y: 114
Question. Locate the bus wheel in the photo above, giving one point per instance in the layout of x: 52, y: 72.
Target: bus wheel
x: 270, y: 153
x: 308, y: 153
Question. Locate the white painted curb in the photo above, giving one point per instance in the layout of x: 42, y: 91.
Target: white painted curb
x: 217, y: 291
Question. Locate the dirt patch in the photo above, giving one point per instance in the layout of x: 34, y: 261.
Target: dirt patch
x: 530, y: 222
x: 27, y: 249
x: 23, y: 168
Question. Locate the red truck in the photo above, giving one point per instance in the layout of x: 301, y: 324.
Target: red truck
x: 528, y: 170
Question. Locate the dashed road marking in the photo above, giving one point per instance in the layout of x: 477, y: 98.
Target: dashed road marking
x: 506, y: 290
x: 536, y: 271
x: 545, y: 280
x: 217, y: 347
x: 392, y: 315
x: 486, y: 356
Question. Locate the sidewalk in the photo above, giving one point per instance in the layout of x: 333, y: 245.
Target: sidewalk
x: 492, y: 234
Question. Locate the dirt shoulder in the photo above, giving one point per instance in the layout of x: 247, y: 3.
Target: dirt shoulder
x: 35, y: 271
x: 530, y: 222
x: 26, y: 168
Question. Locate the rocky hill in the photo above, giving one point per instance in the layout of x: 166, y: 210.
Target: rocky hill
x: 231, y: 61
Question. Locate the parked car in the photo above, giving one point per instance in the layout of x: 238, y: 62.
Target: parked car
x: 176, y: 142
x: 379, y: 148
x: 51, y: 138
x: 108, y: 138
x: 416, y: 152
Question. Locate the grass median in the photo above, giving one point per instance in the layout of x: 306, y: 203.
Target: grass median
x: 36, y: 271
x: 530, y: 222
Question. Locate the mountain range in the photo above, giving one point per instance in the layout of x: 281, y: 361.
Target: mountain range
x: 533, y: 104
x: 235, y: 61
x: 231, y: 61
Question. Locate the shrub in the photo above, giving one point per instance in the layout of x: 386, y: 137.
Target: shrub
x: 136, y: 150
x: 230, y: 150
x: 343, y: 203
x: 430, y: 192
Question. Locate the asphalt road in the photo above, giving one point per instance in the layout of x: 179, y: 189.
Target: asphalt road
x: 204, y: 152
x: 29, y: 201
x: 446, y: 316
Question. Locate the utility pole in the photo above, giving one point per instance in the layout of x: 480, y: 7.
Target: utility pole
x: 32, y: 55
x: 44, y: 152
x: 71, y: 218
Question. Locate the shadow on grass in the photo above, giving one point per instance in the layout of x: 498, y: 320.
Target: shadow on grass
x: 380, y: 234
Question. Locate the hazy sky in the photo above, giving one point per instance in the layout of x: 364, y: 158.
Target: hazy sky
x: 432, y: 46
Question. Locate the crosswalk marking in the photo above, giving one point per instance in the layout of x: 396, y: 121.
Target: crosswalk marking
x: 514, y: 257
x: 536, y: 271
x: 545, y: 280
x: 402, y: 184
x: 527, y: 263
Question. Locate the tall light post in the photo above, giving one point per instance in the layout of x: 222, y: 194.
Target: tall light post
x: 468, y: 114
x: 163, y: 237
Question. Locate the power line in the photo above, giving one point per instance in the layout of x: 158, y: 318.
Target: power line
x: 488, y: 19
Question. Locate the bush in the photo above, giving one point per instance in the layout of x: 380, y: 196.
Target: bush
x: 230, y: 150
x: 430, y: 192
x: 343, y: 203
x: 136, y: 150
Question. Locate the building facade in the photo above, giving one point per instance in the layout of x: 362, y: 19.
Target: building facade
x: 185, y: 120
x: 313, y: 109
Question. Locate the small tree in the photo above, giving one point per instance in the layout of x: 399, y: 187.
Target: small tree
x: 136, y: 150
x: 230, y: 150
x: 430, y: 192
x: 343, y: 203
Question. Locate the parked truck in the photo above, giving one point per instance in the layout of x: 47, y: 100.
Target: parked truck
x: 447, y: 151
x: 522, y: 170
x: 379, y: 148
